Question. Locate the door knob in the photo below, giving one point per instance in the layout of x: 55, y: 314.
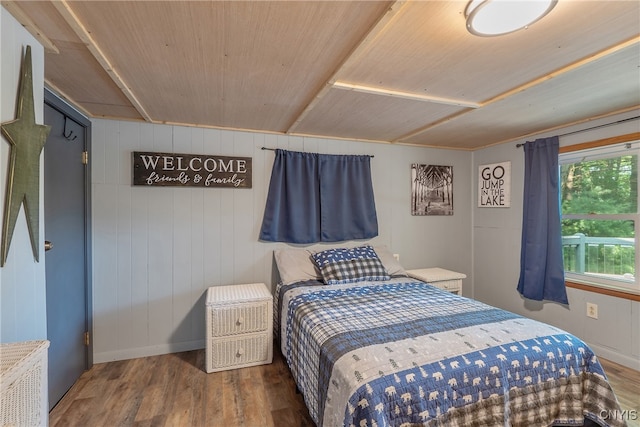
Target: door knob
x: 48, y: 245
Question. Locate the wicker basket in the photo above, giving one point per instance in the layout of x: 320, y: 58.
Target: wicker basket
x: 23, y: 384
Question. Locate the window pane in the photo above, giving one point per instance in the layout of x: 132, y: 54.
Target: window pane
x: 603, y: 186
x: 598, y: 247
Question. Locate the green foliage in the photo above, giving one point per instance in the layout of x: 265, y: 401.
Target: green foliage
x: 595, y: 187
x: 597, y: 228
x: 602, y: 259
x: 603, y: 186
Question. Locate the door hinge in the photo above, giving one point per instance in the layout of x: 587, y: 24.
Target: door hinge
x: 85, y: 157
x: 86, y: 339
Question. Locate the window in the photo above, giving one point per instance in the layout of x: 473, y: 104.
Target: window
x: 599, y: 201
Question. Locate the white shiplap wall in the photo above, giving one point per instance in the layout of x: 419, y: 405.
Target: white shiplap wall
x: 23, y: 314
x: 156, y: 250
x: 496, y: 239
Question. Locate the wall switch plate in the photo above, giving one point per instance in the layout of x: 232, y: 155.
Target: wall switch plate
x: 397, y: 257
x: 592, y: 310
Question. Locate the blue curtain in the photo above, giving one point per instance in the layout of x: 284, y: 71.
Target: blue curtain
x: 319, y: 198
x: 541, y: 265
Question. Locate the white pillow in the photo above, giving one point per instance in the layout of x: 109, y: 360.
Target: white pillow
x: 393, y: 267
x: 296, y: 265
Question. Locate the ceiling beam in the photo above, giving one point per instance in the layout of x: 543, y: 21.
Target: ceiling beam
x: 67, y: 98
x: 72, y: 19
x: 564, y: 70
x: 404, y: 95
x: 573, y: 66
x: 375, y: 31
x: 30, y: 26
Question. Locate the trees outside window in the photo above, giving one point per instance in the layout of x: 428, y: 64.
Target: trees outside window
x: 599, y: 202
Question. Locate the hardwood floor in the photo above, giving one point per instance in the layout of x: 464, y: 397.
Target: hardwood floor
x: 626, y: 384
x: 174, y: 390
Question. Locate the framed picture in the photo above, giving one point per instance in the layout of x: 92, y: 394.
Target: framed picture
x: 431, y: 190
x: 494, y: 185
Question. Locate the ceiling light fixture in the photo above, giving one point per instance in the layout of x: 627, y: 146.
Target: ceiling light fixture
x: 496, y: 17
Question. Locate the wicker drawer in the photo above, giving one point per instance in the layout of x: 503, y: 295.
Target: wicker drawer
x: 239, y: 318
x: 240, y: 352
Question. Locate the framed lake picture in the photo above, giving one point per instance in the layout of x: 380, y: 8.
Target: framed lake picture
x: 431, y: 190
x: 494, y: 185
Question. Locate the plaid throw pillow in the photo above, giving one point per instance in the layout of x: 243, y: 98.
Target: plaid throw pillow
x: 342, y: 265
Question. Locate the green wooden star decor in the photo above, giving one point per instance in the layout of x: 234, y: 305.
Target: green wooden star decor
x: 26, y: 139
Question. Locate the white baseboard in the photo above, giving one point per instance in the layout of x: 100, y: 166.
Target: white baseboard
x: 614, y: 356
x: 153, y: 350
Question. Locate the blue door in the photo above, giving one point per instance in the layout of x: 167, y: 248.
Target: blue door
x: 65, y: 222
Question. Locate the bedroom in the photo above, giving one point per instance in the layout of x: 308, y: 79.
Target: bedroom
x: 149, y: 282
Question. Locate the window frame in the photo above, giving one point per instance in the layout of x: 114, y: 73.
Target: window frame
x: 589, y: 285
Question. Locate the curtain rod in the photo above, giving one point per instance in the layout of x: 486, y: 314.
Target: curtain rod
x: 273, y: 149
x: 591, y: 128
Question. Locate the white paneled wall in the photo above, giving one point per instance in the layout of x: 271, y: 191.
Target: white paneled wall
x: 23, y: 314
x: 156, y: 250
x: 496, y: 241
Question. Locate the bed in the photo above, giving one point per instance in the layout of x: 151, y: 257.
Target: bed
x: 382, y: 349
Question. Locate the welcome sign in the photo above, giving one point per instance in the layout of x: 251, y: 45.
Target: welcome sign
x: 190, y: 170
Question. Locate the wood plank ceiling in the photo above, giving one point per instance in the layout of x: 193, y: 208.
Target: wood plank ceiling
x: 399, y: 72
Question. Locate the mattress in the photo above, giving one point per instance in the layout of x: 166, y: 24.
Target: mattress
x: 405, y: 353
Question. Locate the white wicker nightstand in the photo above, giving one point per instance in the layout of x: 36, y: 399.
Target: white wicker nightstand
x: 239, y: 326
x: 444, y: 279
x: 24, y: 384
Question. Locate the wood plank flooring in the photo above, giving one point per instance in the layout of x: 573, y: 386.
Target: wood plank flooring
x: 174, y: 390
x: 626, y: 384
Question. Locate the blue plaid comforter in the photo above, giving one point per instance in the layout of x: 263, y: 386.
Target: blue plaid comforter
x: 405, y: 353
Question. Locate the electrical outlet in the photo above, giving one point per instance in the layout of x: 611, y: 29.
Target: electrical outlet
x: 397, y: 257
x: 592, y: 310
